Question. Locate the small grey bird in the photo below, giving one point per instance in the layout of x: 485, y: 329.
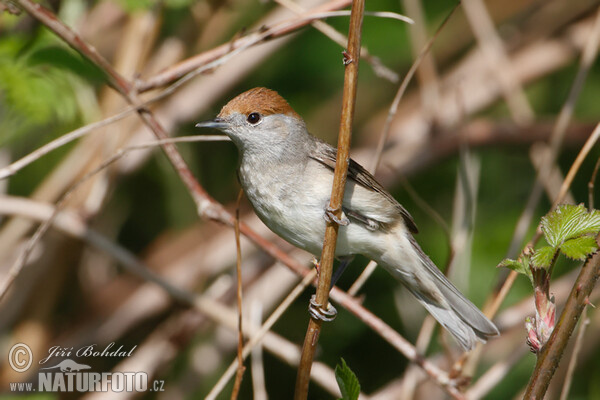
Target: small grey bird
x: 287, y: 175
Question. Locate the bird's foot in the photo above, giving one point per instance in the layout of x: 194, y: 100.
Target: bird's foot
x: 332, y: 218
x: 317, y: 311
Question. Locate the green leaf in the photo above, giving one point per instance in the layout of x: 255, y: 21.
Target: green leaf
x: 347, y: 381
x: 579, y: 248
x: 568, y: 222
x: 543, y: 257
x: 521, y: 266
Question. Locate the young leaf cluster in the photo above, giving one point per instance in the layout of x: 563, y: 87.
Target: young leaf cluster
x: 570, y: 230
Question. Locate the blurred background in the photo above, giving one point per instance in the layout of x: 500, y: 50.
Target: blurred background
x: 462, y: 155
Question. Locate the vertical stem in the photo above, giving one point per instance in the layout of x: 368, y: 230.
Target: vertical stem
x: 240, y: 357
x: 549, y: 357
x: 351, y: 58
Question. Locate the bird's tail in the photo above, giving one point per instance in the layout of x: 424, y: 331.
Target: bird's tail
x: 440, y: 297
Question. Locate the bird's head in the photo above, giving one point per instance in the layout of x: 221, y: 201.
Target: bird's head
x: 259, y: 118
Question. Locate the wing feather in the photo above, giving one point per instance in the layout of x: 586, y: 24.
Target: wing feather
x: 327, y: 155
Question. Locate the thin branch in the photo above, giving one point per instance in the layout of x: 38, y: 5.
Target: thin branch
x: 564, y: 393
x: 259, y: 390
x: 351, y: 62
x: 379, y: 14
x: 362, y: 279
x: 238, y: 268
x: 591, y: 185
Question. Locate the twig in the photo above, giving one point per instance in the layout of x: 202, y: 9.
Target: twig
x: 238, y: 267
x: 351, y: 62
x: 256, y: 362
x: 379, y: 14
x: 583, y: 153
x: 549, y: 358
x: 360, y: 281
x: 564, y: 393
x: 591, y: 185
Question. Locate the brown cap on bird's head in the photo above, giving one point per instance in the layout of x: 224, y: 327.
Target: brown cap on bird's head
x: 260, y: 100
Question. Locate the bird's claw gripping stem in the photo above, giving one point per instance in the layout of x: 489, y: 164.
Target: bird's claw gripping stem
x: 317, y: 311
x: 331, y: 217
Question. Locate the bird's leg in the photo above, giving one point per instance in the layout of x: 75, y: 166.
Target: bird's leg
x: 330, y: 217
x: 316, y: 310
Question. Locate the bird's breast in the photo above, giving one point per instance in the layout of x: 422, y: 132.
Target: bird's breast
x: 281, y: 200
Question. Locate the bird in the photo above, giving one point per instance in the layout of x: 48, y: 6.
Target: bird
x: 287, y: 174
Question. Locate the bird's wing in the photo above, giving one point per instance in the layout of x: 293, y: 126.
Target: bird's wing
x: 327, y: 155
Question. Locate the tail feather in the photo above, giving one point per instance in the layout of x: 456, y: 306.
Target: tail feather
x: 444, y: 301
x: 464, y: 333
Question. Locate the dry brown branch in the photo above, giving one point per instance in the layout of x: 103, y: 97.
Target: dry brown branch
x: 351, y: 62
x: 566, y: 387
x: 259, y: 390
x: 238, y: 268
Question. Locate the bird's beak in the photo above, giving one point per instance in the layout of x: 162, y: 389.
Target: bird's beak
x: 215, y: 123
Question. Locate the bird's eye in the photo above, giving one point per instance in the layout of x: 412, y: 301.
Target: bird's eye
x: 253, y: 118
